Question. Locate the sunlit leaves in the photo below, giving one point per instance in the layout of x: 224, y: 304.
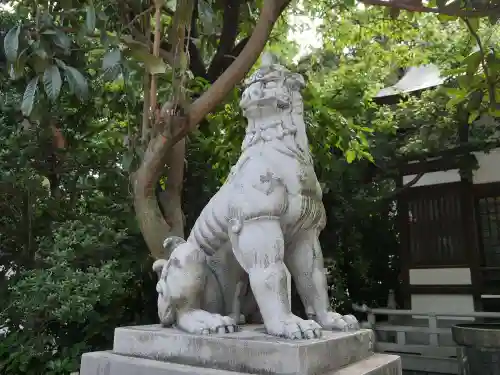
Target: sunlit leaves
x: 90, y: 19
x: 350, y: 155
x: 472, y: 62
x: 29, y: 97
x: 77, y: 83
x: 52, y: 82
x: 11, y: 43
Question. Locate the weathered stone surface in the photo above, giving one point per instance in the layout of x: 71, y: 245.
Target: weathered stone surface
x: 107, y: 363
x: 250, y: 350
x: 377, y: 364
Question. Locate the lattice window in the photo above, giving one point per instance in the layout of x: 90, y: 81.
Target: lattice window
x: 435, y: 237
x: 489, y: 220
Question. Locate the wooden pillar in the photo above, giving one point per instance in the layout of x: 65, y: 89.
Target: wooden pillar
x: 469, y: 224
x: 404, y: 245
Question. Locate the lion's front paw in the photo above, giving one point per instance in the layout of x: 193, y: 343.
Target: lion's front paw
x: 204, y: 323
x: 336, y: 322
x: 294, y: 328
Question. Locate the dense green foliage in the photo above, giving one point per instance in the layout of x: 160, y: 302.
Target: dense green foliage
x: 76, y: 261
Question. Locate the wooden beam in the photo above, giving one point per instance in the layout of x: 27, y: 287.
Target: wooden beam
x: 441, y: 289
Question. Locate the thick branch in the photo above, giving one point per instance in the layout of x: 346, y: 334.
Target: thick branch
x: 151, y: 221
x: 239, y: 47
x: 270, y: 13
x: 418, y: 7
x: 229, y: 58
x: 196, y: 64
x: 227, y: 39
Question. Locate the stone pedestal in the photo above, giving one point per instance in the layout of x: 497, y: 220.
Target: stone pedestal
x: 153, y: 350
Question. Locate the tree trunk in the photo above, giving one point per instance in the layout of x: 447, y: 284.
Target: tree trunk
x: 159, y: 153
x: 171, y: 198
x: 153, y: 226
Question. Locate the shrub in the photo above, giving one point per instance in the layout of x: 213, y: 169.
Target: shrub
x: 90, y: 279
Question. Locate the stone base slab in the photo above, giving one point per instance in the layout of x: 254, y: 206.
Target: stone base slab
x: 250, y: 350
x: 107, y: 363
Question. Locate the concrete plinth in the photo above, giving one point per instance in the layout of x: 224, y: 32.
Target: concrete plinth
x: 154, y: 350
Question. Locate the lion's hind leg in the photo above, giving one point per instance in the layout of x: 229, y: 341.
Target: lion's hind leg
x: 180, y: 285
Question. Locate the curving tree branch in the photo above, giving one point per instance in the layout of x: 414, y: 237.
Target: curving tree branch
x: 417, y: 6
x: 270, y: 13
x: 229, y: 33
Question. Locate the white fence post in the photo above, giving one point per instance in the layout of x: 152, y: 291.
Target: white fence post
x: 433, y: 335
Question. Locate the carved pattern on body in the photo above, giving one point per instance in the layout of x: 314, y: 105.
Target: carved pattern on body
x: 269, y: 213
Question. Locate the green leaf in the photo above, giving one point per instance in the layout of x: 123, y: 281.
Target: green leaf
x: 473, y: 23
x: 61, y: 40
x: 102, y: 16
x: 40, y: 52
x: 183, y: 62
x: 111, y: 64
x: 474, y: 100
x: 111, y: 59
x: 493, y: 19
x: 77, y: 82
x: 453, y: 5
x: 473, y: 116
x: 128, y: 158
x: 206, y: 16
x: 48, y: 32
x: 29, y: 97
x: 52, y: 82
x: 451, y: 91
x: 472, y: 62
x: 171, y: 4
x: 11, y: 43
x: 350, y: 155
x: 154, y: 65
x: 90, y: 18
x: 60, y: 63
x: 453, y: 102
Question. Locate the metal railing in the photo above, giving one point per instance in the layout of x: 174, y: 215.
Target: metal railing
x: 422, y: 342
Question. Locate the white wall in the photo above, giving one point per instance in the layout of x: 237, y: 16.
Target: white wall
x: 442, y: 304
x: 440, y: 276
x: 489, y: 167
x: 488, y: 171
x: 434, y: 178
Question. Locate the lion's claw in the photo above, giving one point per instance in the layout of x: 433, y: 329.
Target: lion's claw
x: 204, y: 323
x: 336, y: 322
x: 295, y: 328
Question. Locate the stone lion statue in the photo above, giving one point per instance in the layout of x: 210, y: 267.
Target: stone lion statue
x: 265, y: 220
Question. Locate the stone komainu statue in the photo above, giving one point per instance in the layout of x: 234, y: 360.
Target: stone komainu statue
x: 265, y: 219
